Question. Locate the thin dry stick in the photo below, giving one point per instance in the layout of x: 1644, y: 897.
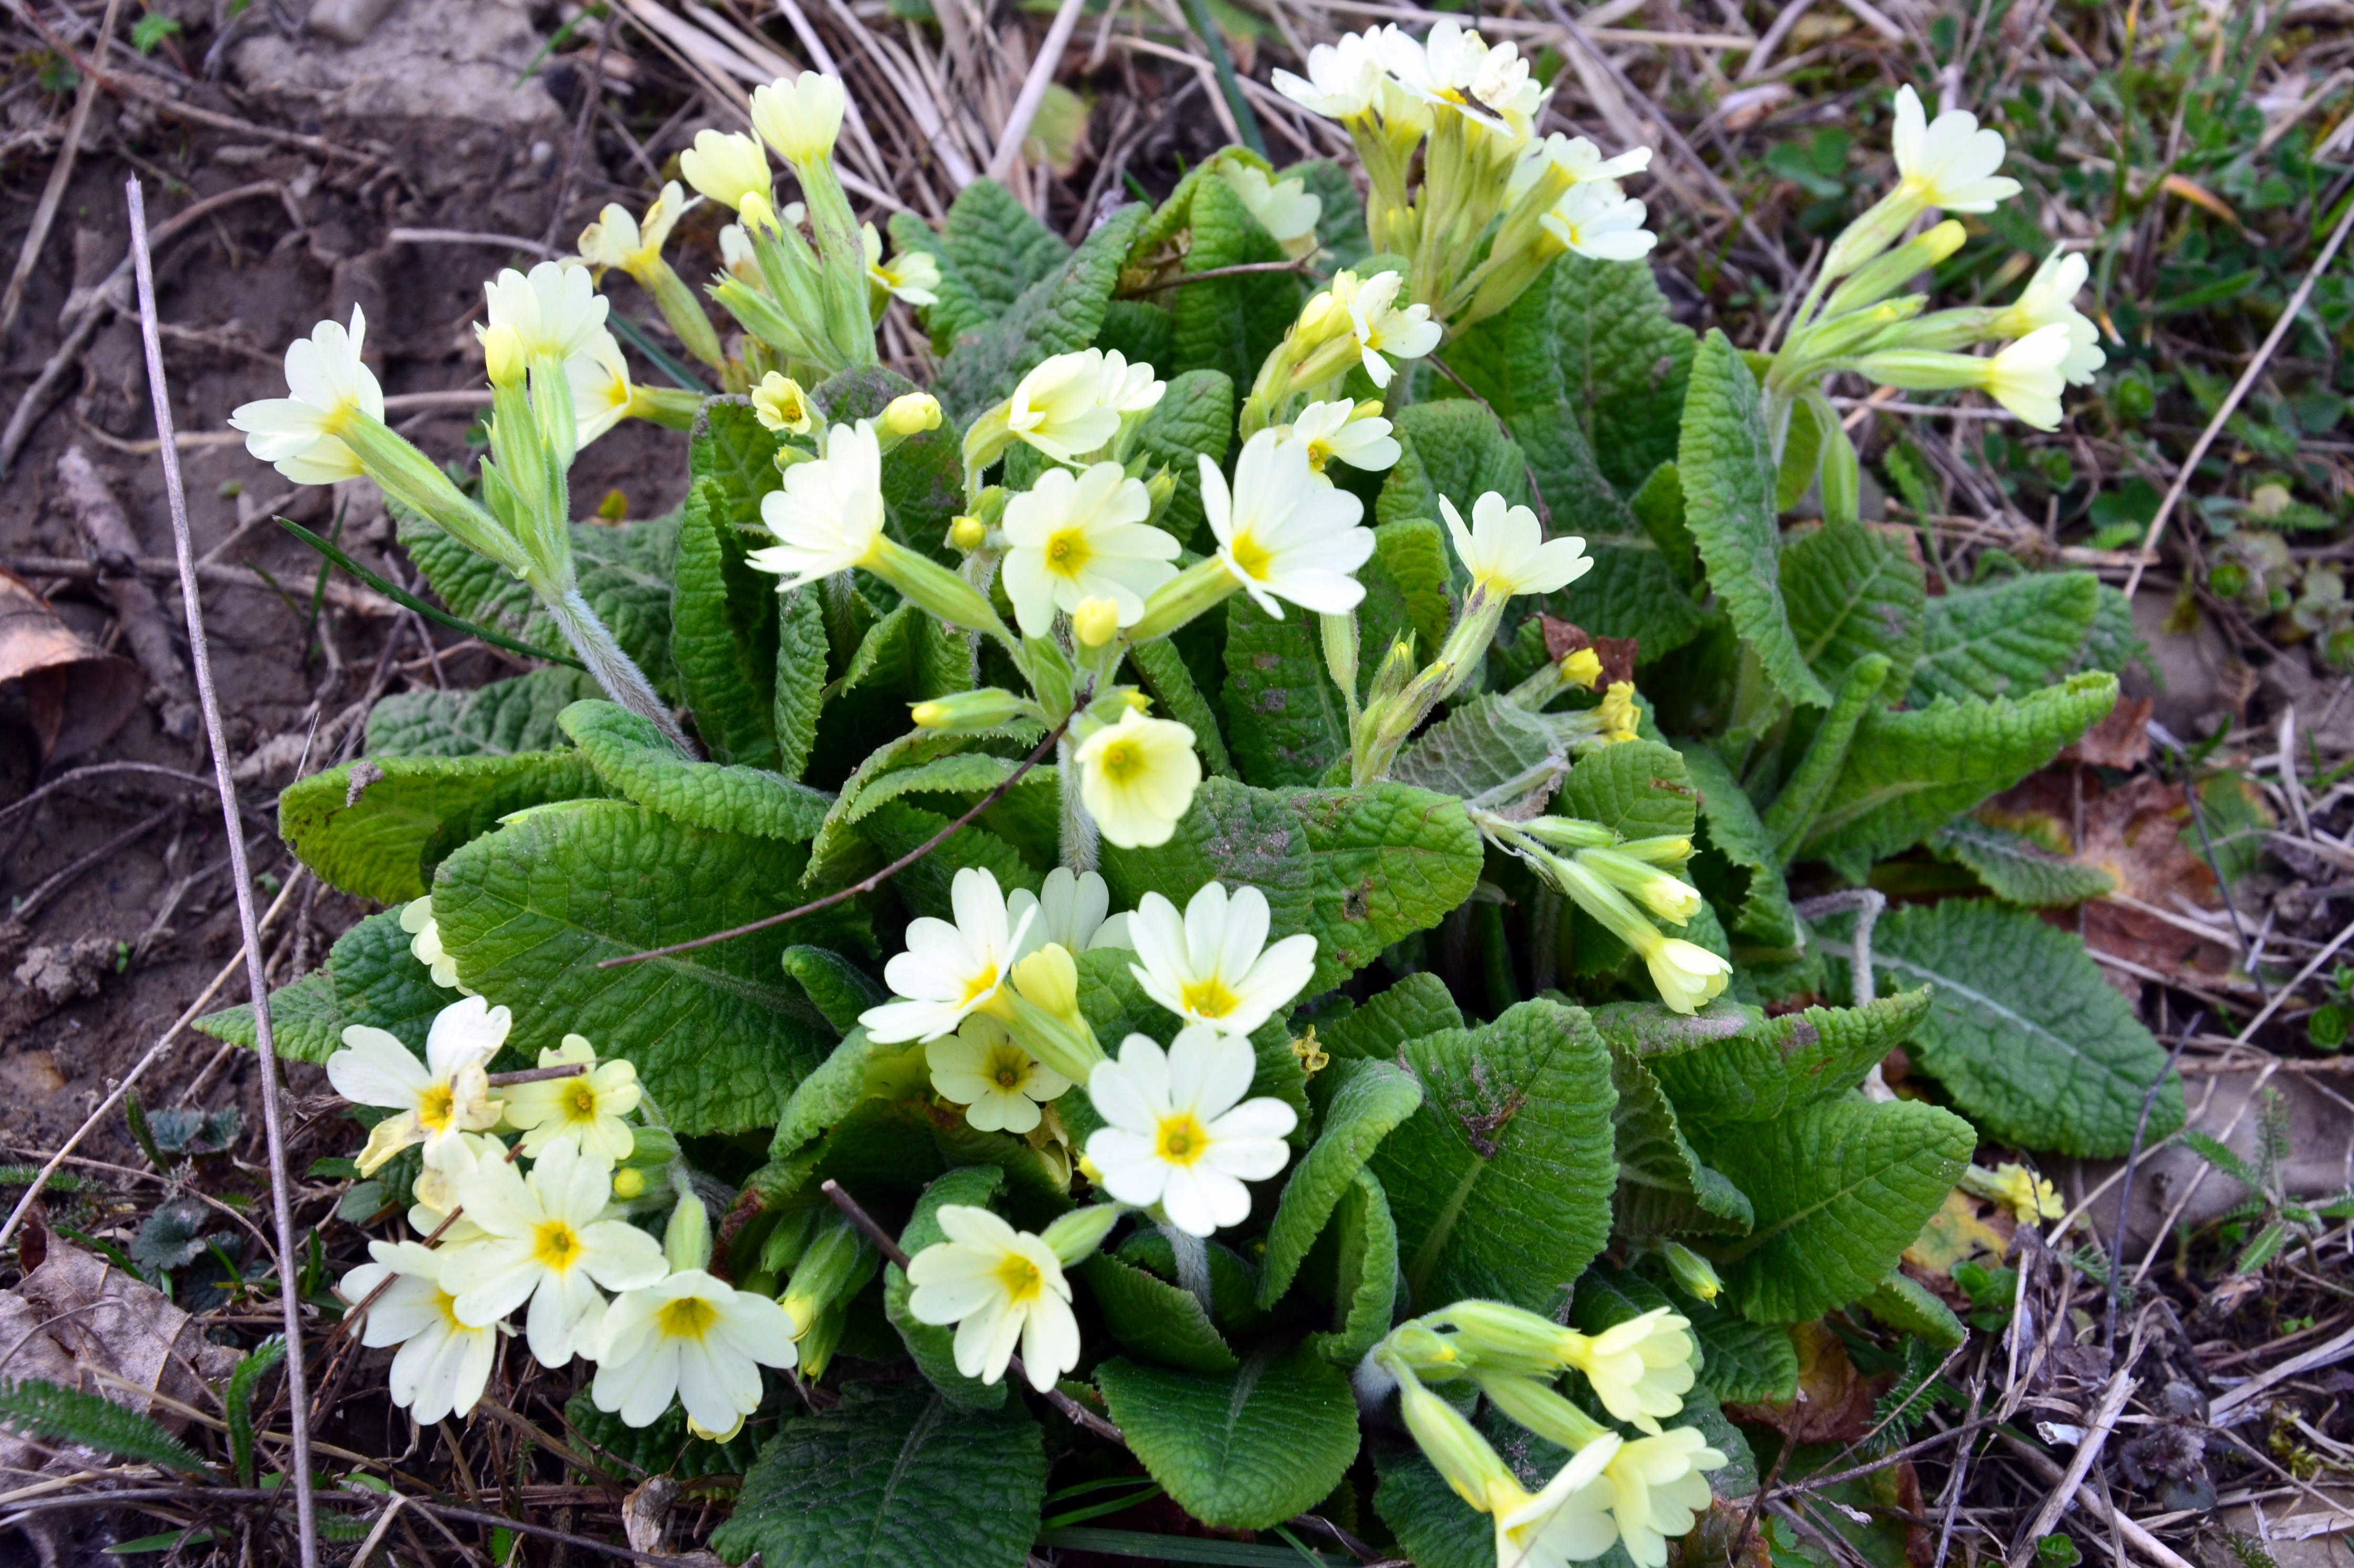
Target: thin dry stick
x: 2088, y: 1448
x: 2231, y: 399
x: 241, y: 876
x: 867, y: 884
x: 60, y: 173
x: 1033, y: 89
x: 1239, y: 270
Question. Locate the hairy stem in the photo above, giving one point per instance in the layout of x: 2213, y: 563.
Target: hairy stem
x: 614, y: 670
x: 1081, y: 847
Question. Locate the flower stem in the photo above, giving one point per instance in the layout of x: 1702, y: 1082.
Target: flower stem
x: 1081, y: 845
x: 614, y: 670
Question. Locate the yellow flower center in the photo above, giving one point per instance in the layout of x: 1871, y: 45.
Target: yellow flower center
x: 1023, y: 1279
x: 1250, y: 558
x: 1120, y: 761
x: 447, y: 1304
x: 688, y: 1317
x: 436, y: 1106
x: 1209, y: 998
x: 1181, y: 1140
x: 1319, y: 452
x: 1008, y: 1067
x: 555, y: 1244
x: 980, y: 985
x: 1067, y: 552
x: 580, y: 1103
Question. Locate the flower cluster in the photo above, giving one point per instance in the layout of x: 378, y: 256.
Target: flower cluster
x: 550, y: 1239
x: 1639, y: 1492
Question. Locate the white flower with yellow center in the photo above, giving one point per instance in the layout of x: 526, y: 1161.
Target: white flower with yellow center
x: 948, y: 970
x: 586, y: 1107
x: 1344, y: 79
x: 1640, y: 1369
x: 447, y: 1094
x: 800, y: 117
x: 1688, y: 976
x: 443, y: 1363
x: 781, y: 405
x: 2026, y: 377
x: 1000, y: 1288
x: 1137, y: 778
x: 1082, y: 536
x: 693, y: 1338
x: 1074, y: 911
x: 729, y: 169
x: 1128, y: 389
x: 425, y: 943
x: 1000, y: 1084
x: 1597, y: 221
x: 1178, y: 1131
x: 1383, y: 327
x: 912, y: 276
x: 1342, y: 431
x: 556, y: 312
x: 1282, y: 531
x: 1568, y: 1521
x: 1948, y: 161
x: 1575, y: 160
x: 618, y: 240
x: 2049, y: 298
x: 1059, y: 405
x: 1506, y: 552
x: 327, y: 383
x: 600, y: 388
x: 1212, y: 966
x: 1660, y: 1491
x: 544, y: 1243
x: 1456, y: 68
x: 829, y: 516
x: 439, y: 1178
x: 1283, y: 208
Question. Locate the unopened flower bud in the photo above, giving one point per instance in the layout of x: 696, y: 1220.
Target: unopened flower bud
x: 968, y: 533
x: 629, y: 1183
x: 912, y: 415
x: 686, y: 1240
x: 1095, y: 621
x: 502, y: 354
x: 1077, y: 1234
x: 1049, y: 979
x: 982, y: 709
x: 1693, y: 1274
x: 1583, y: 668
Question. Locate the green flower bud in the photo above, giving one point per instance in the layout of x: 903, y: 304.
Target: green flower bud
x: 686, y: 1240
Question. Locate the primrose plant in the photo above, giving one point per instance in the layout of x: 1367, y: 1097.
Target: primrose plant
x: 1226, y: 861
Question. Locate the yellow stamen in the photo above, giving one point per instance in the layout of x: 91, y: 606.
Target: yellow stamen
x: 1120, y: 761
x: 582, y: 1104
x: 1319, y: 454
x: 436, y: 1105
x: 1021, y: 1279
x: 555, y: 1244
x: 1209, y: 998
x: 1182, y: 1139
x: 1067, y: 552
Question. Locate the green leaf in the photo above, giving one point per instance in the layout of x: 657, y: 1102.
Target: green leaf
x: 1728, y: 484
x: 237, y: 1402
x: 1418, y: 1004
x: 892, y: 1478
x: 732, y: 452
x: 1909, y: 1307
x: 1501, y: 1182
x: 1365, y: 1258
x: 1638, y: 788
x: 1284, y: 713
x: 1852, y: 591
x: 1625, y: 363
x: 1483, y: 745
x: 1907, y: 774
x: 2004, y: 639
x: 800, y: 678
x: 840, y: 989
x: 2029, y: 1039
x: 1455, y: 448
x: 723, y: 635
x: 990, y: 250
x: 1170, y: 685
x: 1409, y: 587
x: 1153, y: 1319
x: 501, y: 719
x: 377, y: 827
x: 1729, y: 1063
x: 1842, y: 1188
x: 934, y: 1344
x: 2018, y: 869
x: 1193, y: 419
x: 1366, y: 1099
x: 1744, y: 1362
x: 717, y: 1034
x: 1663, y: 1188
x: 55, y: 1414
x: 1435, y: 1528
x: 1749, y: 883
x: 664, y: 1448
x: 631, y: 754
x: 1356, y: 868
x: 897, y: 830
x: 1241, y: 1450
x: 1799, y: 804
x: 379, y: 982
x: 306, y: 1022
x: 2114, y: 644
x: 857, y: 1069
x: 1059, y: 314
x: 1229, y: 324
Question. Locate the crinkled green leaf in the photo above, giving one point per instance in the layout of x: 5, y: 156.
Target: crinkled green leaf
x: 1842, y: 1188
x: 800, y: 678
x: 1749, y: 882
x: 1638, y: 787
x: 1501, y: 1182
x: 1852, y: 591
x: 1287, y: 717
x: 2025, y: 1034
x: 501, y: 719
x: 1453, y: 449
x: 1728, y: 485
x: 723, y: 635
x: 1909, y: 773
x: 1435, y: 1528
x: 1409, y: 587
x: 2114, y: 644
x: 1625, y: 363
x: 840, y: 989
x: 1365, y: 1259
x: 306, y: 1020
x: 1483, y: 745
x: 1418, y: 1004
x: 1729, y: 1063
x: 717, y: 1034
x: 1367, y: 1098
x: 1172, y: 686
x: 377, y: 827
x: 1744, y: 1362
x: 1193, y: 419
x: 1910, y: 1307
x: 1058, y: 314
x: 1631, y: 591
x: 899, y: 829
x: 665, y: 1447
x: 631, y: 757
x: 857, y: 1069
x: 1154, y: 1319
x: 731, y: 450
x: 1229, y: 324
x: 893, y: 1477
x: 2006, y: 639
x: 1239, y: 1450
x: 998, y: 248
x: 2019, y: 869
x: 934, y: 1344
x: 1663, y: 1188
x: 1356, y: 868
x: 966, y: 773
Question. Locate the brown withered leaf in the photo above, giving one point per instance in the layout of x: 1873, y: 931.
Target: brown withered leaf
x: 2120, y: 740
x: 1563, y: 638
x: 1833, y: 1400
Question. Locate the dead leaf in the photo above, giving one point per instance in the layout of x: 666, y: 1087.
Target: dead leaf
x: 1833, y: 1400
x: 1562, y: 639
x: 93, y: 1315
x: 1963, y: 1228
x: 2120, y: 740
